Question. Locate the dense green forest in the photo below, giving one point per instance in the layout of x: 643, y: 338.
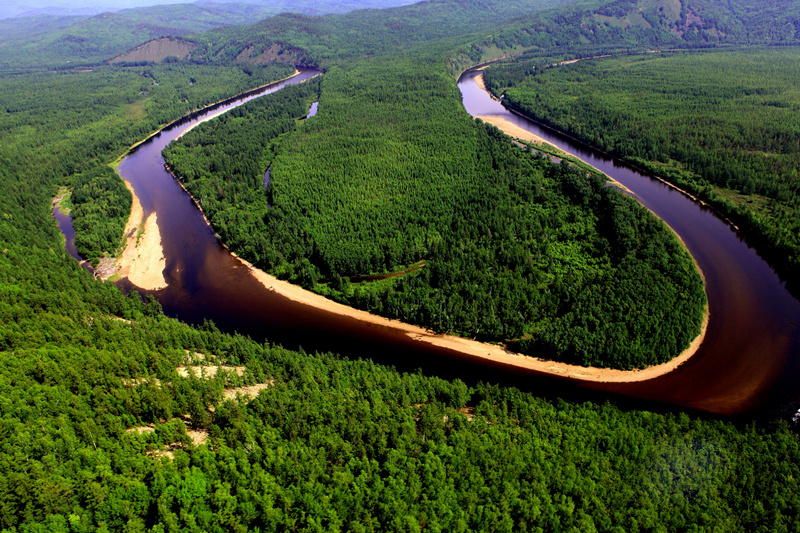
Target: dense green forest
x: 100, y: 432
x: 596, y: 27
x: 515, y: 249
x: 723, y: 125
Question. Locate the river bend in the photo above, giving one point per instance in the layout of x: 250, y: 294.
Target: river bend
x: 747, y: 357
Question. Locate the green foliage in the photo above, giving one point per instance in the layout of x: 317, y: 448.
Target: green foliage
x: 596, y: 27
x: 52, y: 40
x: 347, y: 445
x: 76, y: 122
x: 101, y: 206
x: 723, y: 125
x: 368, y: 32
x: 230, y: 173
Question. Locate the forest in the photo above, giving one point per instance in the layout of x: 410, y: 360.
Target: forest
x: 56, y: 39
x: 515, y: 249
x: 720, y: 124
x: 102, y: 428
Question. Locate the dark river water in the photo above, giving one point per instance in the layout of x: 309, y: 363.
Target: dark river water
x: 747, y: 361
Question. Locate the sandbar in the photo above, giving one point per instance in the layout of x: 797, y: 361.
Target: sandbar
x: 142, y: 261
x: 480, y: 82
x: 511, y: 129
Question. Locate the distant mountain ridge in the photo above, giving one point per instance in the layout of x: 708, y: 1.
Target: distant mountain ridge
x: 60, y: 35
x: 515, y: 27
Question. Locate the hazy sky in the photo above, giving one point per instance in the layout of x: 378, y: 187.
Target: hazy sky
x: 16, y: 7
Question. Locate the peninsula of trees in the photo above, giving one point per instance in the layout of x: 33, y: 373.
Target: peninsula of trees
x: 392, y: 175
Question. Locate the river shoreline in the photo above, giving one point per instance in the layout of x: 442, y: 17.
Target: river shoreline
x: 475, y: 349
x: 191, y: 114
x: 151, y: 261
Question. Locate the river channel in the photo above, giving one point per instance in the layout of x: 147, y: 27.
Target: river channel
x: 746, y: 361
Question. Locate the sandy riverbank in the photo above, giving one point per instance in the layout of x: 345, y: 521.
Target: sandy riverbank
x: 142, y: 261
x: 509, y: 128
x: 517, y: 132
x: 477, y: 349
x: 480, y: 82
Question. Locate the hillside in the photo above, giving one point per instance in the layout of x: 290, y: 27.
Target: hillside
x: 50, y: 40
x: 156, y: 51
x: 371, y: 32
x: 594, y: 27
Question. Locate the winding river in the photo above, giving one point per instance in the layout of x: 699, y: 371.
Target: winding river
x: 746, y: 361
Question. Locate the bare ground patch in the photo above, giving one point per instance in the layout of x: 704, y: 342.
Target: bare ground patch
x: 157, y: 50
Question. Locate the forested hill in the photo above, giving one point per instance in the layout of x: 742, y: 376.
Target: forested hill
x: 593, y: 27
x: 494, y: 28
x: 53, y: 41
x: 367, y: 32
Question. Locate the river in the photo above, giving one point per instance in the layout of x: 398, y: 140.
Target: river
x: 745, y: 362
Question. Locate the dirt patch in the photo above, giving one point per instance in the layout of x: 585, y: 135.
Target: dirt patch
x: 468, y: 412
x: 169, y: 452
x: 246, y: 393
x: 198, y: 436
x: 207, y: 372
x: 275, y: 53
x: 138, y: 382
x: 141, y: 430
x: 197, y: 357
x: 157, y: 50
